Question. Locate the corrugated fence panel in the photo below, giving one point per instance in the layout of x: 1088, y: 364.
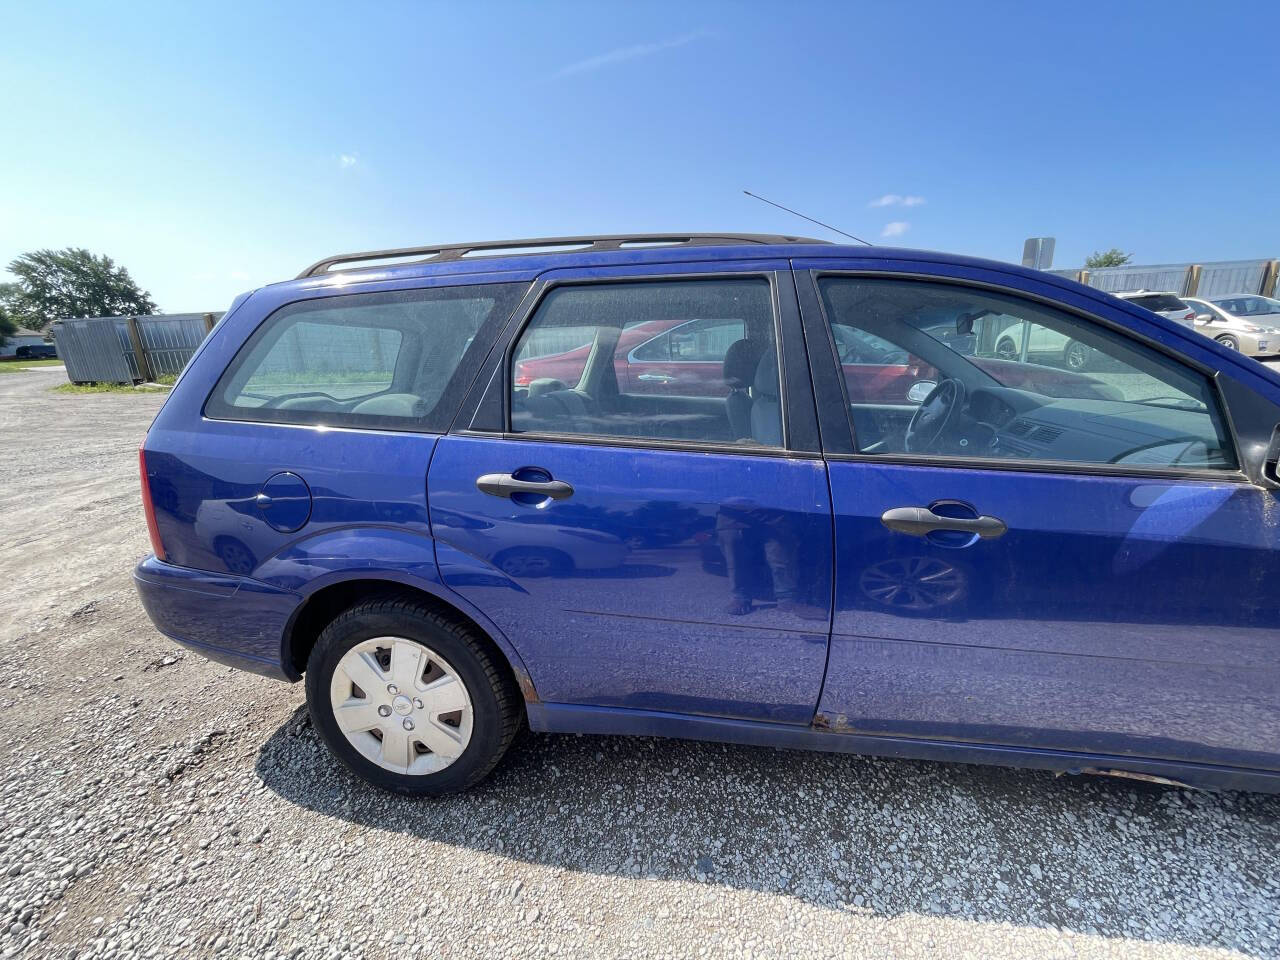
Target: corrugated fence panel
x: 170, y: 341
x: 126, y: 348
x: 98, y: 349
x: 91, y: 351
x: 1216, y: 279
x: 1165, y: 276
x: 1236, y: 276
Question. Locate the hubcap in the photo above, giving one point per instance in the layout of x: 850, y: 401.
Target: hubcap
x: 401, y: 705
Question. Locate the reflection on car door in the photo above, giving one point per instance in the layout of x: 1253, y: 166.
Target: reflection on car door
x: 1124, y: 615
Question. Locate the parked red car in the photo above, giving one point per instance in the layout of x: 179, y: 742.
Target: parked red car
x: 686, y: 358
x: 669, y: 357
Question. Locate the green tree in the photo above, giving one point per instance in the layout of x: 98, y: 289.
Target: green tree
x: 1115, y: 257
x: 57, y: 284
x: 8, y: 325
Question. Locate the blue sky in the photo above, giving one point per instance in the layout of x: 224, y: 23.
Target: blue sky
x: 211, y: 148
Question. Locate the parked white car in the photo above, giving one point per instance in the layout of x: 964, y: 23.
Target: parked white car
x: 1168, y: 305
x: 1253, y: 334
x: 1041, y: 342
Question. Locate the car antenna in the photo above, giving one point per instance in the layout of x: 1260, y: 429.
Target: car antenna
x: 803, y: 217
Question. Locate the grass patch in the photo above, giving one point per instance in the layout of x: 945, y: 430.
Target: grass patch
x: 13, y: 366
x: 106, y: 388
x: 167, y: 379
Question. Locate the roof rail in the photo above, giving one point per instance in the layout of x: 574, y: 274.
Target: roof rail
x: 592, y: 244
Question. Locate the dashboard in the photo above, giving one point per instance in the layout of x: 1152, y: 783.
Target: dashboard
x: 1016, y: 424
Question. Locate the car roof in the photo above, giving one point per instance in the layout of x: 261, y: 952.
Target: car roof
x: 1148, y: 293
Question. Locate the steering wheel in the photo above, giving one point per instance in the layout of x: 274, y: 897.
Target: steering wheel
x: 934, y: 415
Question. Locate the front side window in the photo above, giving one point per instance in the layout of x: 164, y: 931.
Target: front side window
x: 691, y: 360
x: 1008, y: 379
x: 389, y: 360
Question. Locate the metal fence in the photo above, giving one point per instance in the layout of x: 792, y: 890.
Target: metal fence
x: 130, y: 349
x: 1188, y: 279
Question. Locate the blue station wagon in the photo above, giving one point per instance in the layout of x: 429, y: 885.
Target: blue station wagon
x: 899, y: 520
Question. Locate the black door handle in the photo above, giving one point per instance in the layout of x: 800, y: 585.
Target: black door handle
x: 919, y: 521
x: 504, y: 485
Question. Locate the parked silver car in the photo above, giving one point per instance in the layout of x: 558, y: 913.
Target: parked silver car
x: 1253, y: 334
x: 1163, y: 302
x: 1260, y: 309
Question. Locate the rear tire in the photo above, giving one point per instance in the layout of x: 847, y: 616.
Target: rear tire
x: 1006, y: 349
x: 1230, y: 342
x: 443, y: 653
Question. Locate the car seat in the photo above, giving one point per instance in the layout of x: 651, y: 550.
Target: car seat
x: 739, y: 372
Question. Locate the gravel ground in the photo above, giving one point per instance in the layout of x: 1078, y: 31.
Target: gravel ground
x: 155, y: 804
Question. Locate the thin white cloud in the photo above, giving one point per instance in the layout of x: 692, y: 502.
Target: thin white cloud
x: 347, y: 160
x: 895, y: 228
x: 623, y: 54
x: 897, y: 199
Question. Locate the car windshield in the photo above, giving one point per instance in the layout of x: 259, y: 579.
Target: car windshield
x: 1249, y: 306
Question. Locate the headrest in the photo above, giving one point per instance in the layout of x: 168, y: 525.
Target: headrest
x: 544, y: 385
x: 740, y: 362
x: 391, y: 405
x: 766, y: 379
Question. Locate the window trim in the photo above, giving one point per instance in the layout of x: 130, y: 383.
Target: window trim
x: 1075, y: 467
x: 501, y: 376
x: 435, y: 422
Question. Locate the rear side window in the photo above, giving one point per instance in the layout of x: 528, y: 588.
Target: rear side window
x: 1159, y: 301
x: 386, y: 360
x: 692, y: 360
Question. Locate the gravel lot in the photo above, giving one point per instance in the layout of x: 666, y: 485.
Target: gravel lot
x: 155, y: 804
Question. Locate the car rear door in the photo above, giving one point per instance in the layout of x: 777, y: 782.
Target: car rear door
x: 636, y: 549
x: 1010, y: 584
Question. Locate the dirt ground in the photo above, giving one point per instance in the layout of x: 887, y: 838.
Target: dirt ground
x: 155, y: 804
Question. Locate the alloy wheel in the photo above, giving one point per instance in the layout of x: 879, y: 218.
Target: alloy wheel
x: 912, y: 583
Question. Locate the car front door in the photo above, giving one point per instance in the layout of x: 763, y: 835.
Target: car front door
x: 1043, y: 558
x: 650, y: 551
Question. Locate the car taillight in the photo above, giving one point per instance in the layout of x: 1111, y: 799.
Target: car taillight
x: 1190, y: 317
x: 522, y: 378
x: 148, y: 510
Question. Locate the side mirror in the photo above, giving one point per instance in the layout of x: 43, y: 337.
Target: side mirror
x: 1204, y: 318
x: 964, y: 322
x: 920, y: 390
